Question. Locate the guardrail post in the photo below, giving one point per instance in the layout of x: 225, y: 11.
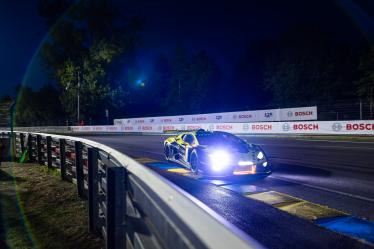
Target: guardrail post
x: 29, y: 146
x: 116, y: 206
x: 79, y: 168
x: 39, y: 148
x: 93, y: 208
x: 22, y: 141
x: 63, y: 158
x: 49, y: 151
x: 13, y: 151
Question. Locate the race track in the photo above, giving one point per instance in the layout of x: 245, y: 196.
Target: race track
x: 338, y: 175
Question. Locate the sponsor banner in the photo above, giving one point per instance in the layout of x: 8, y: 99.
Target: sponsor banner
x: 358, y: 127
x: 300, y: 113
x: 288, y: 114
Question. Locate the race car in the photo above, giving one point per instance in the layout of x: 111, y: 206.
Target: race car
x: 216, y: 153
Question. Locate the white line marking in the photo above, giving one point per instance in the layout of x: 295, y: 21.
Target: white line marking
x: 325, y: 189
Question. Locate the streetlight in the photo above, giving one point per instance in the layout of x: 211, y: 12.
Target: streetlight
x: 140, y: 83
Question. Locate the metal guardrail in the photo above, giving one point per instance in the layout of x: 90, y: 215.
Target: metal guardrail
x: 130, y: 206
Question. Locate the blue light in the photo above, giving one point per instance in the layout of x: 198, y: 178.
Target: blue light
x: 140, y: 83
x: 349, y: 225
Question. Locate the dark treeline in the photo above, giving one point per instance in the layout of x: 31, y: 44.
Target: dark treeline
x: 92, y: 48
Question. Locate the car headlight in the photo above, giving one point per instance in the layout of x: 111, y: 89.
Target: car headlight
x: 219, y: 160
x: 260, y: 155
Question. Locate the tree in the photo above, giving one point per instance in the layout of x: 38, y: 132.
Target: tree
x: 365, y: 83
x: 188, y: 83
x: 87, y: 45
x: 309, y: 66
x: 38, y: 107
x: 247, y: 84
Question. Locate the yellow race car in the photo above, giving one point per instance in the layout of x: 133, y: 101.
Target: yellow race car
x: 215, y: 153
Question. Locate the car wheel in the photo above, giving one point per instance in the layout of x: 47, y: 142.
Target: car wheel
x: 194, y: 162
x: 168, y: 152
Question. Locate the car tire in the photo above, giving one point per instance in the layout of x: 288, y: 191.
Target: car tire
x: 194, y: 162
x: 168, y: 152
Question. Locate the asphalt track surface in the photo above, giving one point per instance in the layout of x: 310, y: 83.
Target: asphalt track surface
x: 337, y: 174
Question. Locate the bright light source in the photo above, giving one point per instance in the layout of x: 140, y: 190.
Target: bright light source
x: 260, y: 155
x: 219, y: 160
x: 265, y: 164
x: 245, y: 163
x: 140, y: 83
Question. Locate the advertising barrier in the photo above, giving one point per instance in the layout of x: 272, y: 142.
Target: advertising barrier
x: 287, y: 114
x: 354, y: 127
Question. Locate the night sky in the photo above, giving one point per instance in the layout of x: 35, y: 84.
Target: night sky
x: 223, y: 28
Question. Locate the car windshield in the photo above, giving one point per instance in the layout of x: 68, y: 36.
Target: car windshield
x: 222, y: 139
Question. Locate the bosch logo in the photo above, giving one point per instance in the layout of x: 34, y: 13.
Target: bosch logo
x: 246, y: 127
x: 286, y: 127
x: 181, y: 119
x: 360, y: 127
x: 224, y: 127
x: 262, y: 127
x: 219, y: 117
x: 268, y: 114
x: 245, y: 116
x: 151, y: 120
x: 306, y: 113
x: 305, y: 127
x: 337, y: 126
x: 289, y: 114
